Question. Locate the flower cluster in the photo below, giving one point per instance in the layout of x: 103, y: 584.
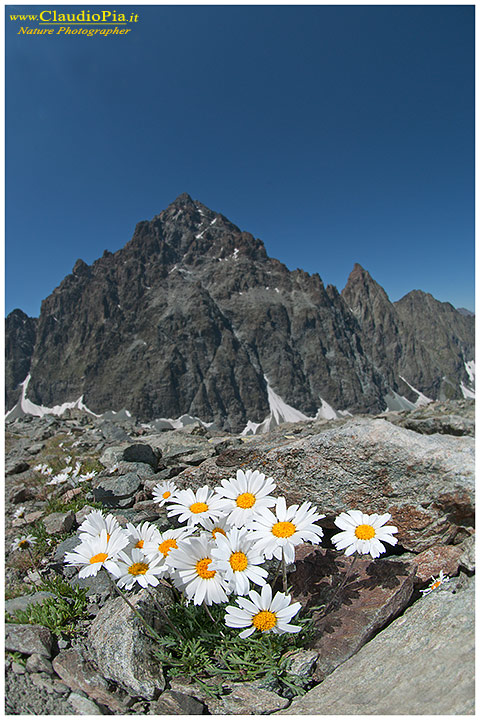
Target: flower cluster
x: 227, y: 535
x: 69, y: 473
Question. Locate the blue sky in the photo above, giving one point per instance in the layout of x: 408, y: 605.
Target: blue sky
x: 336, y: 134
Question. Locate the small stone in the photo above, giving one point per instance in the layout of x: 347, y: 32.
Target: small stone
x: 38, y: 663
x: 36, y: 448
x: 23, y: 601
x: 70, y: 494
x: 34, y: 516
x: 438, y: 557
x: 83, y: 705
x: 59, y: 522
x: 82, y: 514
x: 67, y: 545
x: 14, y: 467
x: 112, y: 490
x: 176, y: 703
x: 19, y: 493
x: 18, y: 668
x: 79, y: 675
x: 246, y: 700
x: 28, y: 639
x: 142, y: 453
x: 301, y: 662
x: 467, y: 558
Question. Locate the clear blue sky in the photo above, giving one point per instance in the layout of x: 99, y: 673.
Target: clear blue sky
x: 336, y: 134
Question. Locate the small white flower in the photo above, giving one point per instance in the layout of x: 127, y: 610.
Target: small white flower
x: 436, y: 582
x: 193, y: 574
x: 164, y: 492
x: 58, y: 479
x: 19, y: 512
x: 245, y: 495
x: 87, y: 476
x: 143, y: 534
x: 94, y: 553
x: 76, y: 469
x: 136, y: 568
x: 213, y: 527
x: 166, y: 542
x: 277, y: 535
x: 196, y: 507
x: 113, y: 469
x: 95, y: 522
x: 238, y: 561
x: 24, y: 542
x: 263, y: 613
x: 67, y: 459
x: 363, y: 533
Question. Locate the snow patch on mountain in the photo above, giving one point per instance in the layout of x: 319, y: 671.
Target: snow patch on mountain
x: 26, y: 407
x: 282, y: 412
x: 422, y: 399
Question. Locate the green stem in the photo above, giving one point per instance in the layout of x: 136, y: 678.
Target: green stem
x: 208, y: 612
x: 284, y: 574
x: 164, y: 615
x: 153, y: 633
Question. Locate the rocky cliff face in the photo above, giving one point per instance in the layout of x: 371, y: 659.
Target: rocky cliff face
x: 192, y: 316
x: 20, y: 333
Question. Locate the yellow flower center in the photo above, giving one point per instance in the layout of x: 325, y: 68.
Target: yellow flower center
x: 202, y: 568
x: 264, y: 620
x: 238, y: 561
x: 246, y: 500
x: 283, y: 529
x: 100, y: 557
x: 23, y: 543
x: 365, y: 532
x: 436, y: 584
x: 218, y: 530
x: 167, y: 545
x: 139, y: 544
x: 138, y: 568
x: 166, y: 494
x: 198, y: 507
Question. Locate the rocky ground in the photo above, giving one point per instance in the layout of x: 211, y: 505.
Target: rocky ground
x: 382, y: 647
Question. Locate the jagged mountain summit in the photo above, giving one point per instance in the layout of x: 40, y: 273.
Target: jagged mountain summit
x: 192, y: 318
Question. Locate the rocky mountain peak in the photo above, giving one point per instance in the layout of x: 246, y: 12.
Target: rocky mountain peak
x: 191, y: 317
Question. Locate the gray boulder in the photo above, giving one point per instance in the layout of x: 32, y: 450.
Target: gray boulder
x: 421, y: 664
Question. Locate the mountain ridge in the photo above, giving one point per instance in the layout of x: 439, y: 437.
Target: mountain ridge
x: 192, y: 314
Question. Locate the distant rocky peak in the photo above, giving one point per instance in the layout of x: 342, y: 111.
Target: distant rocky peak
x: 361, y: 290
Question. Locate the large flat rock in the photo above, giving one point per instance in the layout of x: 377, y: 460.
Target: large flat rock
x: 425, y: 481
x: 421, y: 664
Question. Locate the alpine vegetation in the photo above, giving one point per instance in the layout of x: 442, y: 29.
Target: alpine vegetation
x: 220, y: 566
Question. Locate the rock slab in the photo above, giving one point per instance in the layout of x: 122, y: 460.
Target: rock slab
x: 421, y: 664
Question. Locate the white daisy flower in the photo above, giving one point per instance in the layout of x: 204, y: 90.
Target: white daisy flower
x: 113, y: 469
x: 95, y: 522
x: 76, y: 469
x: 136, y: 568
x: 58, y: 479
x: 94, y: 553
x: 196, y: 507
x: 212, y: 527
x: 193, y: 573
x: 19, y: 512
x: 277, y: 535
x: 245, y: 495
x: 87, y: 476
x: 166, y: 542
x: 238, y: 561
x: 164, y: 492
x: 436, y: 582
x: 263, y: 613
x: 143, y: 534
x: 363, y: 533
x: 24, y: 542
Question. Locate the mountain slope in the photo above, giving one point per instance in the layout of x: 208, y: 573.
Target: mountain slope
x: 192, y: 316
